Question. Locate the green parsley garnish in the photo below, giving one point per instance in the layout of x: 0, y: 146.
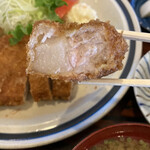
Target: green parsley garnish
x: 19, y: 33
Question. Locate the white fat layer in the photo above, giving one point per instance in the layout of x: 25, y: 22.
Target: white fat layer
x: 46, y: 32
x: 48, y: 35
x: 31, y: 55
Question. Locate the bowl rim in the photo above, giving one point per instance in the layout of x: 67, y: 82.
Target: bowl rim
x: 139, y: 125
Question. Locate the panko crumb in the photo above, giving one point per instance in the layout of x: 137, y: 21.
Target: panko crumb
x: 95, y: 87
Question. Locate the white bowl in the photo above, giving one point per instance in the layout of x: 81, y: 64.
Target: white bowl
x: 142, y: 94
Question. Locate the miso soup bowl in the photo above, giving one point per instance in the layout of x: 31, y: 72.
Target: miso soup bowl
x: 134, y: 130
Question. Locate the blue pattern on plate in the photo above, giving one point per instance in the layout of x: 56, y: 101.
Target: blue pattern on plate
x: 147, y: 63
x: 141, y: 75
x: 142, y: 104
x: 142, y: 94
x: 144, y: 22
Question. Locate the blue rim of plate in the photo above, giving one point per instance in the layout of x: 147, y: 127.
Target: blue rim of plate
x: 90, y: 112
x: 144, y: 22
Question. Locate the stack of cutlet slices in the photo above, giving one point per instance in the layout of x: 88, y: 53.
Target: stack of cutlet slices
x: 13, y: 78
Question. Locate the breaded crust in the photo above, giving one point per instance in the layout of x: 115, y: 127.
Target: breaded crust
x: 61, y: 90
x: 40, y: 88
x: 12, y: 75
x: 88, y: 51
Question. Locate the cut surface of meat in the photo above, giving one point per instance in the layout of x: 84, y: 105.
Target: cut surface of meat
x: 75, y: 52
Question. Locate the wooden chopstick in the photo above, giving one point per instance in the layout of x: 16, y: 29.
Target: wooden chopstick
x: 139, y: 36
x: 119, y: 82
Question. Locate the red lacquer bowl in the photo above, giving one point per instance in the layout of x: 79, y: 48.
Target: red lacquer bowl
x: 135, y: 130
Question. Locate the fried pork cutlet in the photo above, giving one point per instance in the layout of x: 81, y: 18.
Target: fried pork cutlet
x: 12, y: 72
x: 75, y: 52
x: 40, y: 88
x: 61, y: 90
x: 1, y: 32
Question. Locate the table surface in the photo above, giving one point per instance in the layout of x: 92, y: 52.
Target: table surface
x: 126, y: 110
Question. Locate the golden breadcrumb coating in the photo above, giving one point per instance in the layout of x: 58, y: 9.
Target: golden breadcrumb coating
x: 40, y: 88
x: 61, y: 90
x: 12, y: 75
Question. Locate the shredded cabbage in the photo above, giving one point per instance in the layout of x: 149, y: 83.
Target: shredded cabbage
x: 14, y: 12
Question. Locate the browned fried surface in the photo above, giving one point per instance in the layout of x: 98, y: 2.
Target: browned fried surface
x: 40, y: 88
x: 75, y: 52
x: 61, y: 90
x: 12, y: 72
x: 1, y: 32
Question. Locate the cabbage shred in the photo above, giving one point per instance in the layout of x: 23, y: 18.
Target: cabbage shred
x: 14, y: 12
x: 17, y: 16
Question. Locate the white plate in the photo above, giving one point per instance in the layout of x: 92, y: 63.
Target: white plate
x: 35, y: 124
x: 142, y: 94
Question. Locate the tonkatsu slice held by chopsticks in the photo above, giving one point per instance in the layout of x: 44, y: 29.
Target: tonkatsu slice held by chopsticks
x: 75, y: 52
